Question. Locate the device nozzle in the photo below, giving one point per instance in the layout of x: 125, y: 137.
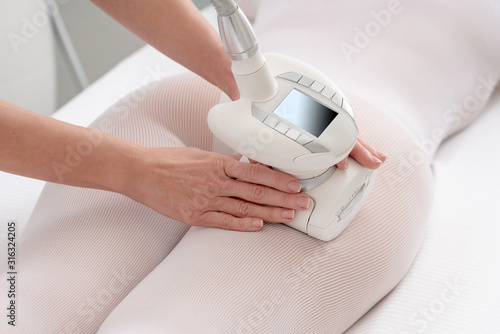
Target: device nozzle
x: 252, y: 75
x: 224, y: 7
x: 236, y: 33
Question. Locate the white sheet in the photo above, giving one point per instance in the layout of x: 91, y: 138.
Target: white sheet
x: 461, y: 247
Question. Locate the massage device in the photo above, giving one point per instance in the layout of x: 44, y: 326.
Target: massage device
x: 295, y: 119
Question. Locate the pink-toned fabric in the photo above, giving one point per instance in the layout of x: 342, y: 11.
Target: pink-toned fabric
x: 93, y: 259
x: 430, y: 64
x: 90, y: 255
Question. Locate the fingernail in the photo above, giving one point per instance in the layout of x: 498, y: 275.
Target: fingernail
x: 257, y: 223
x: 346, y: 164
x: 294, y: 186
x: 304, y: 202
x: 381, y: 155
x: 376, y: 160
x: 288, y: 214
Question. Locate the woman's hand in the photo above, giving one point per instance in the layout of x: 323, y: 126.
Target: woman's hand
x: 365, y: 154
x: 203, y: 188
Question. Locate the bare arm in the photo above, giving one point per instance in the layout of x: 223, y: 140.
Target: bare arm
x: 172, y: 181
x: 41, y: 147
x: 177, y: 29
x: 187, y: 184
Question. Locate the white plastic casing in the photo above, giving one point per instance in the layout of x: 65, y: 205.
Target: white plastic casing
x: 335, y: 202
x: 235, y: 125
x: 240, y: 125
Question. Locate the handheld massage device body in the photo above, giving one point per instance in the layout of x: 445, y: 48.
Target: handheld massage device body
x: 291, y: 117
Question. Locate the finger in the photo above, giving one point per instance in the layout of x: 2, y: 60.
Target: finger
x: 262, y: 175
x: 260, y: 194
x: 236, y: 156
x: 228, y: 222
x: 381, y: 156
x: 362, y: 155
x: 242, y: 209
x: 255, y: 162
x: 343, y: 164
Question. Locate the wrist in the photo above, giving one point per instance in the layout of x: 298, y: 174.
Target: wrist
x: 122, y: 166
x: 217, y: 71
x: 228, y: 83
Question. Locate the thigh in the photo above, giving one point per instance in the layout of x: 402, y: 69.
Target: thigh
x: 280, y: 280
x: 83, y: 250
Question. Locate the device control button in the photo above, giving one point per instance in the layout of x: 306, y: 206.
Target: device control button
x: 317, y: 87
x: 271, y: 121
x: 359, y: 195
x: 292, y: 76
x: 281, y: 127
x: 347, y: 107
x: 316, y: 147
x: 337, y: 99
x: 346, y: 211
x: 259, y: 114
x: 305, y: 81
x: 328, y: 93
x: 303, y: 139
x: 292, y: 133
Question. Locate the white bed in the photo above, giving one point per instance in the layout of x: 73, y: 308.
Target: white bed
x: 453, y: 285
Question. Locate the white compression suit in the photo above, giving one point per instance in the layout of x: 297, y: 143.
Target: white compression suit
x: 93, y: 260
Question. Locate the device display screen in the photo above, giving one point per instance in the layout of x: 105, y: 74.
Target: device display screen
x: 305, y: 112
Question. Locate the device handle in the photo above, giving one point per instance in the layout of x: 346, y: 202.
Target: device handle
x: 251, y: 72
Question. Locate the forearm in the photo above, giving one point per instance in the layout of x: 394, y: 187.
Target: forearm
x: 41, y: 147
x: 177, y: 29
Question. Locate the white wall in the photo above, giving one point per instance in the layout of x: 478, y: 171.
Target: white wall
x: 100, y: 42
x: 27, y: 67
x: 33, y: 72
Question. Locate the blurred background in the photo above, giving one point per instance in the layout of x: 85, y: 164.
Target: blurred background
x: 35, y: 71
